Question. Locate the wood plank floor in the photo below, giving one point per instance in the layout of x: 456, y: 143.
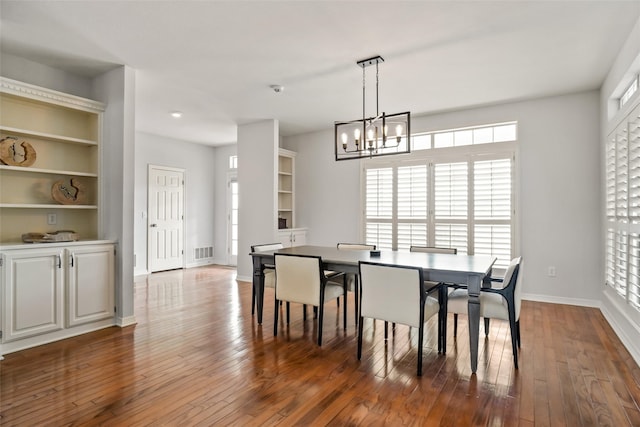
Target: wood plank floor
x: 197, y: 357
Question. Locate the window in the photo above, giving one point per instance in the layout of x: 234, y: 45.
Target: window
x: 628, y: 93
x: 463, y: 200
x: 233, y: 162
x: 622, y: 207
x: 501, y: 132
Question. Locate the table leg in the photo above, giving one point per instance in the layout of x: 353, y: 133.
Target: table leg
x: 473, y: 287
x: 258, y: 285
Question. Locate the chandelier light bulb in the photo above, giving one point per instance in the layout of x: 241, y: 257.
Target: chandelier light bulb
x: 398, y: 132
x: 344, y: 140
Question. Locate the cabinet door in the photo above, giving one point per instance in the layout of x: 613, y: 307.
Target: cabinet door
x: 90, y: 284
x: 33, y: 300
x: 284, y: 237
x: 298, y: 238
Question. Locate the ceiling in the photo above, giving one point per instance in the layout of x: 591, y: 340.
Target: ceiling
x: 215, y: 60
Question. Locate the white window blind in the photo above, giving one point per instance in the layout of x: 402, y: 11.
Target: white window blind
x: 412, y: 206
x: 465, y: 204
x: 451, y: 205
x: 379, y: 207
x: 492, y: 209
x: 622, y: 207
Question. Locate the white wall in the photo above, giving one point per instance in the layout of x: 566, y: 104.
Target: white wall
x: 24, y: 70
x: 199, y: 164
x: 116, y: 89
x: 220, y: 220
x: 257, y: 157
x: 558, y: 188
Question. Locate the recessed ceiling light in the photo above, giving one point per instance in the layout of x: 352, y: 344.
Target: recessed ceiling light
x: 176, y: 114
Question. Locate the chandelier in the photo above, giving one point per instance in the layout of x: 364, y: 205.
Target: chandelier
x: 380, y: 135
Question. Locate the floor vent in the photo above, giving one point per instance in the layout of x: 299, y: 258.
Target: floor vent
x: 206, y: 252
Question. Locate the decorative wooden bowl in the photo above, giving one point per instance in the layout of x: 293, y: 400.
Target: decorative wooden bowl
x: 16, y: 152
x: 69, y: 193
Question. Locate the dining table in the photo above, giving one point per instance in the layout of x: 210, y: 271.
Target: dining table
x: 468, y: 270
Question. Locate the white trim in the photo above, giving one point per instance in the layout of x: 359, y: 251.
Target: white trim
x: 624, y: 327
x: 581, y: 302
x: 244, y: 279
x: 38, y: 93
x: 126, y: 321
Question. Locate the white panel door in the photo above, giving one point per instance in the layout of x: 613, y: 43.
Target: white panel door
x: 166, y: 218
x: 90, y: 280
x: 33, y: 301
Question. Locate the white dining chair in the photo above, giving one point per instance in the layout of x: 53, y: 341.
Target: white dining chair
x: 301, y: 279
x: 500, y: 302
x: 395, y: 294
x: 269, y: 272
x: 352, y: 278
x: 440, y: 288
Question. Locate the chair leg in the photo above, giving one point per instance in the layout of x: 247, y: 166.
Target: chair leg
x: 344, y: 308
x: 304, y: 311
x: 486, y: 326
x: 386, y: 329
x: 275, y: 319
x: 356, y: 284
x: 443, y: 294
x: 420, y: 342
x: 320, y: 318
x: 514, y: 344
x: 518, y: 331
x: 360, y: 338
x: 288, y: 311
x: 455, y: 324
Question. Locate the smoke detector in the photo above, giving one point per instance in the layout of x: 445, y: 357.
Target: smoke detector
x: 277, y: 88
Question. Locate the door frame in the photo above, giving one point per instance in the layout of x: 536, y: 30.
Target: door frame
x: 231, y: 177
x: 184, y: 211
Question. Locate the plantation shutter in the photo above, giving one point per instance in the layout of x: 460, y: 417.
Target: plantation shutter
x: 451, y: 205
x: 412, y: 206
x: 379, y: 207
x: 492, y: 210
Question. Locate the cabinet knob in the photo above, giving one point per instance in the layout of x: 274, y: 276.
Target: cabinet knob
x: 153, y: 225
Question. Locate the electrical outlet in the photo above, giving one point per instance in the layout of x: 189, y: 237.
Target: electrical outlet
x: 551, y: 271
x: 52, y: 219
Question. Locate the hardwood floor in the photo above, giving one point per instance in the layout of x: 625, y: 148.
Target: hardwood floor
x: 197, y: 357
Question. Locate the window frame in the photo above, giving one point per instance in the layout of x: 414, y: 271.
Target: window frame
x: 467, y: 153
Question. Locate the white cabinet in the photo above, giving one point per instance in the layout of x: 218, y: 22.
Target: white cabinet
x: 54, y: 291
x: 32, y: 292
x: 90, y: 284
x: 293, y: 237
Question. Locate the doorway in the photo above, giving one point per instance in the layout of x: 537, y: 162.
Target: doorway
x: 165, y: 219
x: 232, y: 219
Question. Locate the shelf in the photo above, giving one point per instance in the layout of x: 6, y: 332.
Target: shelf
x: 285, y: 173
x: 285, y: 210
x: 47, y: 171
x: 285, y: 191
x: 48, y: 136
x: 44, y: 206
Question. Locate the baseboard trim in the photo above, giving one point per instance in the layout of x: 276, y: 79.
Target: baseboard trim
x: 562, y: 300
x: 244, y: 278
x: 126, y: 321
x: 625, y: 328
